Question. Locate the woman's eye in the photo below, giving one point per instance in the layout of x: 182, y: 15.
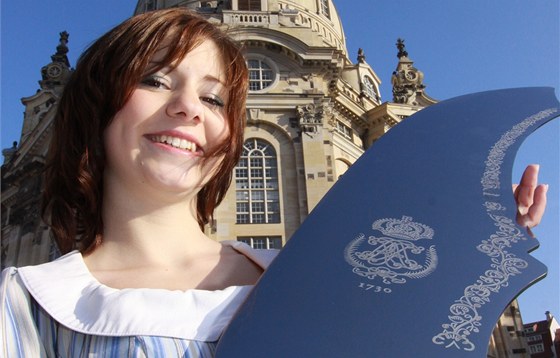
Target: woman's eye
x: 155, y: 81
x: 213, y: 101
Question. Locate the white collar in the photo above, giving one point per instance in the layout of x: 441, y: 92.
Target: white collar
x: 72, y: 296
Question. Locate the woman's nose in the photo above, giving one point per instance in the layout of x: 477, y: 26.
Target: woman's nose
x: 187, y: 105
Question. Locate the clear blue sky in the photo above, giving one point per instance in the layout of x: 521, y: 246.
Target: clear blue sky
x: 461, y: 46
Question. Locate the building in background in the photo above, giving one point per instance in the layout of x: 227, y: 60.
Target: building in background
x: 508, y: 339
x: 312, y: 111
x: 25, y: 238
x: 543, y: 337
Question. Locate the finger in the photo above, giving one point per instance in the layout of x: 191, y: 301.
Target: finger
x: 525, y: 191
x: 530, y: 175
x: 514, y: 188
x: 536, y: 211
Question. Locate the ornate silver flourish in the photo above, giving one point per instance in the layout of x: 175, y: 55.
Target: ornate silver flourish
x: 393, y: 257
x: 464, y: 318
x: 491, y: 177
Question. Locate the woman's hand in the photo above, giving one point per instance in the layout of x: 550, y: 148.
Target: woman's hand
x: 530, y: 197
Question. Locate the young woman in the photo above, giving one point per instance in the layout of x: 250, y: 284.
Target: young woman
x: 146, y: 137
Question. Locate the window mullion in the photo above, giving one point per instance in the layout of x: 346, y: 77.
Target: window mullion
x: 250, y: 181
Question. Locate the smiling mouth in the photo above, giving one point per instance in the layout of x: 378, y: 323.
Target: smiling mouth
x: 175, y: 142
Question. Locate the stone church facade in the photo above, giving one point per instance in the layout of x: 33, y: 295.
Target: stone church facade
x: 25, y: 238
x: 312, y: 111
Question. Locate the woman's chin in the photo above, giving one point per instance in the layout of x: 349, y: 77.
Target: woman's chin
x: 175, y: 186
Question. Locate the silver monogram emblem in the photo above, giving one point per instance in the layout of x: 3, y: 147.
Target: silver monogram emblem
x: 394, y: 256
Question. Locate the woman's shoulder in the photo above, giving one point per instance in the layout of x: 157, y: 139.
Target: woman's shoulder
x: 17, y: 277
x: 8, y: 274
x: 9, y: 281
x: 48, y: 276
x: 261, y: 257
x: 19, y: 335
x: 69, y: 293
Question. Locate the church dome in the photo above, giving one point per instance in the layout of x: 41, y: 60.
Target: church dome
x: 315, y: 23
x: 323, y: 12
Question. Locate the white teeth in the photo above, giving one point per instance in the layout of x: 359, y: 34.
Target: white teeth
x: 176, y: 142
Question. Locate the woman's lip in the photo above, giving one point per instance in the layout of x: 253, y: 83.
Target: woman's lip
x: 177, y: 134
x: 175, y: 142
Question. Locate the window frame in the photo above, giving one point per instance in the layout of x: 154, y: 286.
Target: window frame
x: 249, y: 5
x: 536, y: 348
x: 271, y: 70
x: 271, y: 242
x: 369, y: 88
x: 345, y: 131
x: 257, y: 184
x: 324, y: 8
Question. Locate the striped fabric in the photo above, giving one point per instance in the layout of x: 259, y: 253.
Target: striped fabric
x: 28, y: 331
x: 108, y: 322
x: 60, y: 341
x: 19, y: 335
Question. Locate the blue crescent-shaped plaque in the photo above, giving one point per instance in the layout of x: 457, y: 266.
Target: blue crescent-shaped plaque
x: 414, y: 252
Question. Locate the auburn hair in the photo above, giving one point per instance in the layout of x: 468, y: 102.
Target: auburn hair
x: 105, y: 77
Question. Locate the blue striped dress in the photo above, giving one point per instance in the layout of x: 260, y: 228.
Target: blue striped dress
x: 59, y: 309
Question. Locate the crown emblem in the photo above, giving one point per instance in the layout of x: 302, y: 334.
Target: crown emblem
x: 393, y: 257
x: 404, y: 228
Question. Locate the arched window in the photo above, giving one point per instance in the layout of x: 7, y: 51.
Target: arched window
x: 260, y: 75
x: 369, y: 88
x: 256, y: 184
x: 249, y: 5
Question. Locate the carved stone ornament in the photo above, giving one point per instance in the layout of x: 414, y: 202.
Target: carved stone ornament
x: 407, y: 80
x: 56, y: 72
x: 310, y: 117
x: 361, y: 56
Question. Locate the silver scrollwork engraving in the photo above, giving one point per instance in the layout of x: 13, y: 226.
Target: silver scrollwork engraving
x: 464, y: 318
x: 394, y: 257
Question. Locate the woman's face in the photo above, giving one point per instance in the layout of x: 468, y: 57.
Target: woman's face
x: 158, y: 139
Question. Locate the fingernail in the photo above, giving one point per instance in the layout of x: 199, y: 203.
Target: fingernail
x: 522, y: 209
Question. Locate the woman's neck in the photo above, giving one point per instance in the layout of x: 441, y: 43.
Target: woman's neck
x: 162, y: 246
x: 149, y: 232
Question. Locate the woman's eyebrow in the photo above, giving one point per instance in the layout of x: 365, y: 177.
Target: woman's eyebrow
x: 153, y: 65
x: 212, y: 78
